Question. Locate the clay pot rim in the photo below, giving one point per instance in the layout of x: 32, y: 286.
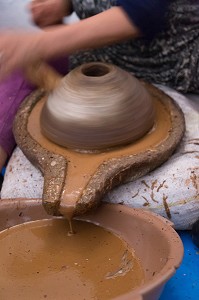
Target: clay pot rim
x: 176, y: 250
x: 91, y: 65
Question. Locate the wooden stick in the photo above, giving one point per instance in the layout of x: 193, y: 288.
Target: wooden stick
x: 43, y: 76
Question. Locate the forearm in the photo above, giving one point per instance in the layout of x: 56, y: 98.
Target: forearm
x: 23, y: 48
x: 106, y: 28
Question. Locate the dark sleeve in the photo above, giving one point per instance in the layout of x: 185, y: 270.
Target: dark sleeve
x: 147, y: 15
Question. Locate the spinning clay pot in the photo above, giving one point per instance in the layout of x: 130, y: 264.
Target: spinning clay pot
x: 97, y: 106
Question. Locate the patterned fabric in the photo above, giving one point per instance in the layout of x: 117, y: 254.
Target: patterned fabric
x: 170, y: 59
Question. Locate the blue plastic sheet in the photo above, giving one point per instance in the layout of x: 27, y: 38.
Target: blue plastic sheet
x: 184, y: 285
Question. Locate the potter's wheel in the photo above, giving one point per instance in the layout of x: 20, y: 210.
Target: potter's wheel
x: 83, y: 178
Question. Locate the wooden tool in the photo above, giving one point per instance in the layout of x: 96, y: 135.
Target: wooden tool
x: 44, y: 76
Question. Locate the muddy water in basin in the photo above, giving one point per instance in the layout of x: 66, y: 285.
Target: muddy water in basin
x: 41, y: 260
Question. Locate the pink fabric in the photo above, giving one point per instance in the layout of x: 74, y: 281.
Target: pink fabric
x: 13, y: 91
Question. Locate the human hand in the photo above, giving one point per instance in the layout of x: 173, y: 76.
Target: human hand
x: 19, y: 49
x: 48, y: 12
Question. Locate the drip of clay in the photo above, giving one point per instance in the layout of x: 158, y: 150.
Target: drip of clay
x: 97, y: 106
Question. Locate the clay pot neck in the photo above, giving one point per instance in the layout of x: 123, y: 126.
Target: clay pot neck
x: 95, y: 70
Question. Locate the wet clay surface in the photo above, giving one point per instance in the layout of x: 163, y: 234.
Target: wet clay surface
x: 40, y: 260
x: 82, y: 166
x: 77, y: 181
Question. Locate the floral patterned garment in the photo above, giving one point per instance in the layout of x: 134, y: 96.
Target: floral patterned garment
x: 171, y: 58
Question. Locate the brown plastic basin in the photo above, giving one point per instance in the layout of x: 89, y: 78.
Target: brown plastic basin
x: 152, y: 237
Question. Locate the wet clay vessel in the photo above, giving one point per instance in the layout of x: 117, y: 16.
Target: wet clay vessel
x: 78, y: 180
x: 97, y: 106
x: 152, y: 237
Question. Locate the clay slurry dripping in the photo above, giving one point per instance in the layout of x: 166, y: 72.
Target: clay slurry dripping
x: 67, y: 212
x: 39, y: 260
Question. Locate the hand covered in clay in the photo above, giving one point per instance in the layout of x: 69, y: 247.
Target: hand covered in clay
x: 49, y: 12
x: 19, y: 49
